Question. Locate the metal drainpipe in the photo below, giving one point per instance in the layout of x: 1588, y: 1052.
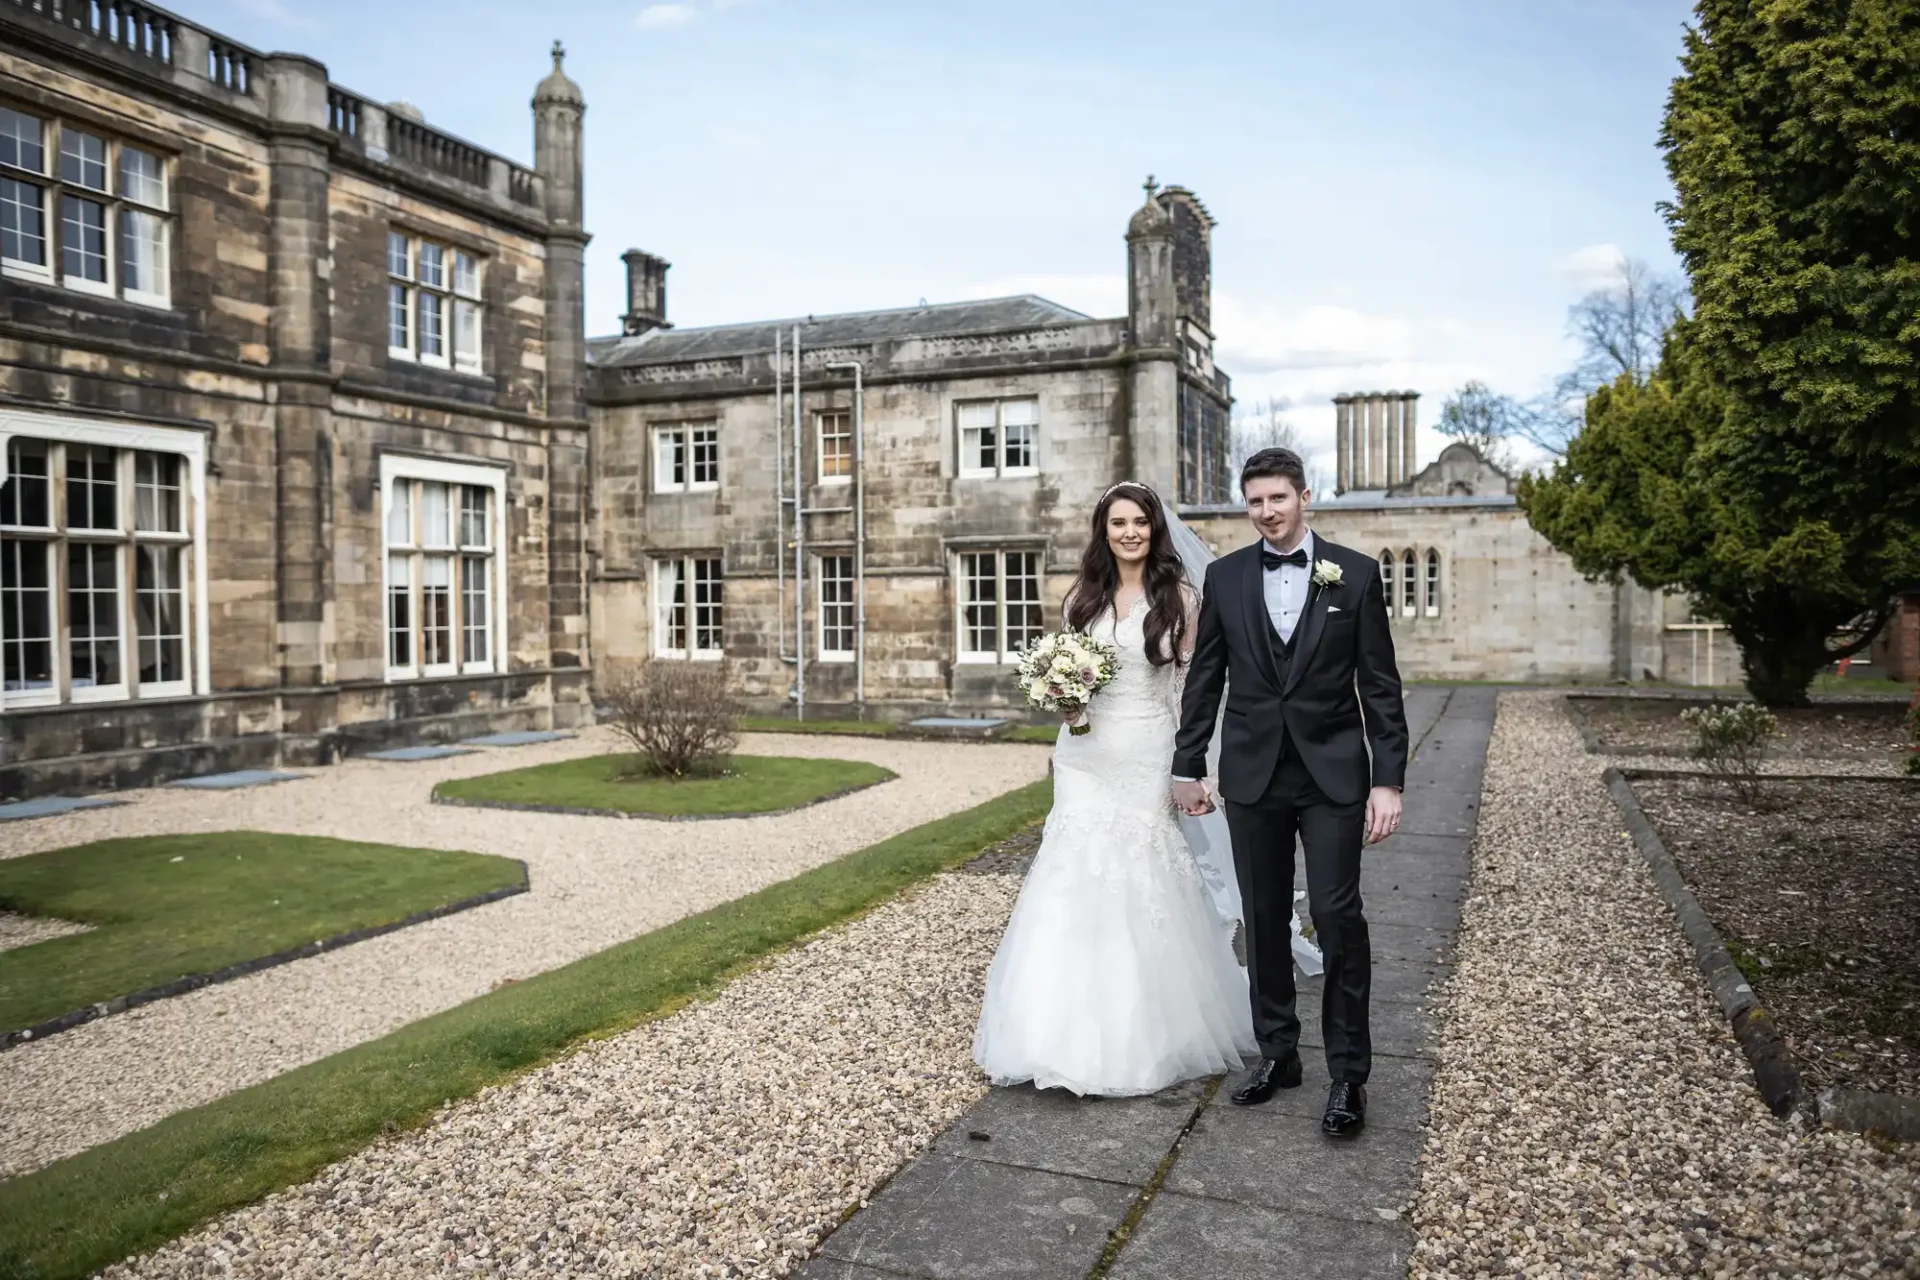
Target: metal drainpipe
x: 779, y: 503
x: 859, y: 536
x: 799, y: 545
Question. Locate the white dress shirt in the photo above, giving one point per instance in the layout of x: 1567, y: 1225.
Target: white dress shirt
x: 1285, y: 588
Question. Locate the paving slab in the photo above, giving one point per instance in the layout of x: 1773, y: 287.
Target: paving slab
x: 522, y: 738
x: 832, y: 1269
x: 1428, y: 910
x: 1189, y: 1238
x: 1409, y: 942
x: 51, y: 806
x: 418, y: 753
x: 1277, y: 1160
x: 1114, y: 1139
x: 235, y: 780
x: 951, y: 1219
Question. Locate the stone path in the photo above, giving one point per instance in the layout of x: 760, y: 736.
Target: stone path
x: 1031, y: 1183
x: 595, y: 882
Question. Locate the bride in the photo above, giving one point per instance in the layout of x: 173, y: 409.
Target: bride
x: 1117, y: 975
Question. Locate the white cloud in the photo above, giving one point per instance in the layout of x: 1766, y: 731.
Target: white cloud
x: 1594, y: 267
x: 660, y: 17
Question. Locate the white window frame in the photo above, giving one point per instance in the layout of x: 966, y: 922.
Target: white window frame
x: 1430, y: 584
x: 1005, y: 651
x: 452, y: 298
x: 114, y: 198
x: 396, y: 469
x: 683, y: 567
x: 126, y: 439
x: 845, y: 616
x: 1411, y: 575
x: 1389, y: 563
x: 844, y: 419
x: 969, y: 465
x: 685, y: 438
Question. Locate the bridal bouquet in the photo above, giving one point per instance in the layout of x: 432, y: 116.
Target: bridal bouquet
x: 1061, y: 671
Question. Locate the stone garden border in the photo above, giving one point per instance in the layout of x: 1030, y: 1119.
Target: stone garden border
x: 194, y: 981
x: 1775, y: 1072
x: 582, y: 811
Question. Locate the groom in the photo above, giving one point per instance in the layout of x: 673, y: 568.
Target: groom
x: 1294, y: 630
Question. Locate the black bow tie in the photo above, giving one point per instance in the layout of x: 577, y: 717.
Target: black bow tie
x: 1273, y: 559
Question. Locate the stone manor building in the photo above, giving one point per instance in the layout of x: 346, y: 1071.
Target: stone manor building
x: 293, y: 449
x: 882, y: 508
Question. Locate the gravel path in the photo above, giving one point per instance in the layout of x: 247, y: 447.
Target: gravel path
x: 595, y: 882
x: 722, y: 1141
x: 1592, y: 1115
x: 17, y: 930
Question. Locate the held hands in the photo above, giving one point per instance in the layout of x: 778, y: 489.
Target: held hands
x: 1383, y: 813
x: 1192, y: 798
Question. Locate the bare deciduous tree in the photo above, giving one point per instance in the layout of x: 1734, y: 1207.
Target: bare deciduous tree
x: 1477, y: 415
x: 1264, y: 425
x: 1619, y: 328
x: 681, y: 718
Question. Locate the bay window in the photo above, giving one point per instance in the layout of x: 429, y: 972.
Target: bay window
x: 688, y: 600
x: 434, y: 310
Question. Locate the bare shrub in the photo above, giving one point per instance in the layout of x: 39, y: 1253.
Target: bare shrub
x: 680, y: 718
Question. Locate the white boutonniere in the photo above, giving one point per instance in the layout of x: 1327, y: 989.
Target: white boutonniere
x: 1326, y: 574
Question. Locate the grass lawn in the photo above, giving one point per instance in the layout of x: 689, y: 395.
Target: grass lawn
x: 167, y: 907
x: 74, y: 1217
x: 752, y: 784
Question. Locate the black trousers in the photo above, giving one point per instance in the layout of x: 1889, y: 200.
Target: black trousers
x: 1331, y: 836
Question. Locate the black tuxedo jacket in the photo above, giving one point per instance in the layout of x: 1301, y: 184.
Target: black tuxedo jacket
x: 1340, y: 694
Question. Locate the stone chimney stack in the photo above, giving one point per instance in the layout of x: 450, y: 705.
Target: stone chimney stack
x: 646, y: 293
x: 1374, y: 438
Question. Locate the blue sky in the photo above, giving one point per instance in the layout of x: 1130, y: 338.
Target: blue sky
x: 1409, y: 194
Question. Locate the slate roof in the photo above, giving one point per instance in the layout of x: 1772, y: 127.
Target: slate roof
x: 1026, y: 311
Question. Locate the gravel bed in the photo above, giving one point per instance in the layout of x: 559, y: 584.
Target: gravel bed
x: 1818, y: 898
x: 725, y: 1140
x: 1857, y: 731
x: 1591, y: 1114
x: 17, y: 930
x: 595, y: 882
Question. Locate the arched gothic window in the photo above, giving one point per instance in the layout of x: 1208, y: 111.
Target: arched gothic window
x: 1409, y: 583
x: 1387, y: 562
x: 1433, y: 583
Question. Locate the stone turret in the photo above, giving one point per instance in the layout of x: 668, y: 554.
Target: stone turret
x: 558, y: 107
x: 1153, y: 329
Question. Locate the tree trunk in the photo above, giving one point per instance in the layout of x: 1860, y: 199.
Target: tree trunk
x: 1782, y: 653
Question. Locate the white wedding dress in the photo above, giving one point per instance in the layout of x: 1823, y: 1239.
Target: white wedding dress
x: 1115, y: 975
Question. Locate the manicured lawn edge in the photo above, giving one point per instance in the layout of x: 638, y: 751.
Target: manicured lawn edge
x: 194, y: 981
x: 120, y: 1198
x: 583, y: 812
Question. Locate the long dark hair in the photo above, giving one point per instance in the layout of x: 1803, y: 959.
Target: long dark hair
x: 1099, y: 578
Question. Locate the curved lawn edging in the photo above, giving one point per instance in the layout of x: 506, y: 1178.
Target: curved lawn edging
x: 579, y: 811
x: 194, y: 981
x: 80, y: 1214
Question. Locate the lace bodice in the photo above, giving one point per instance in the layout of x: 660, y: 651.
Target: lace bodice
x: 1139, y: 687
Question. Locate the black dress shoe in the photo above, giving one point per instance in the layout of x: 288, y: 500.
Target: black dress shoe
x: 1271, y: 1074
x: 1346, y: 1109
